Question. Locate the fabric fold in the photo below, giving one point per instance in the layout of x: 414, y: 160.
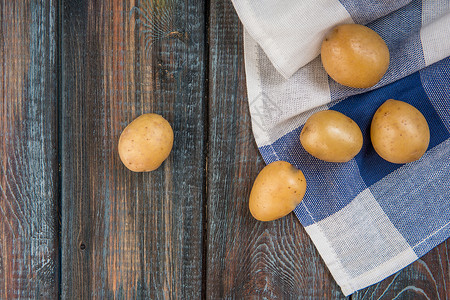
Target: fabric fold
x: 368, y: 218
x: 290, y: 32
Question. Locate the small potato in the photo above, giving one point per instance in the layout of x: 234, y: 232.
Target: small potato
x: 355, y: 55
x: 399, y: 132
x: 331, y: 136
x: 145, y: 143
x: 277, y: 190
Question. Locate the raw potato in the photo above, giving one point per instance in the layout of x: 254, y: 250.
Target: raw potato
x: 355, y: 55
x: 399, y: 132
x: 277, y: 190
x: 331, y: 136
x: 145, y: 143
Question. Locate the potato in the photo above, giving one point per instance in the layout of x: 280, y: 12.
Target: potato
x: 277, y: 190
x: 399, y: 132
x: 331, y: 136
x: 355, y: 55
x: 145, y: 143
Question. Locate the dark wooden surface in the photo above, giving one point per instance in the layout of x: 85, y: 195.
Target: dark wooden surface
x: 127, y: 234
x: 73, y: 74
x: 29, y: 156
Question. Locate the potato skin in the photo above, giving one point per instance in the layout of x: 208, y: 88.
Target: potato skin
x: 331, y: 136
x: 399, y: 132
x: 277, y: 190
x: 145, y: 143
x: 355, y: 55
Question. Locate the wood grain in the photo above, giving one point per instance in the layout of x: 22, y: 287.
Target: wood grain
x: 28, y: 143
x: 132, y: 235
x: 426, y: 278
x: 247, y: 259
x: 181, y: 232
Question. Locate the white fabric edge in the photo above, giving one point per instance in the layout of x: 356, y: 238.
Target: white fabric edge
x: 298, y: 58
x: 350, y: 285
x: 253, y: 52
x: 384, y: 270
x: 254, y: 88
x: 365, y: 214
x: 245, y: 12
x: 435, y: 39
x: 330, y: 258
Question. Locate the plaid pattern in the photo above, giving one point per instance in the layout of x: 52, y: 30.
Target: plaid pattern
x: 368, y: 218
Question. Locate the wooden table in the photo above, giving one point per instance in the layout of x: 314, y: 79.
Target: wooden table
x: 76, y: 224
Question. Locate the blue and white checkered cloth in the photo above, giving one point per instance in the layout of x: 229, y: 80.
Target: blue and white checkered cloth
x: 368, y: 218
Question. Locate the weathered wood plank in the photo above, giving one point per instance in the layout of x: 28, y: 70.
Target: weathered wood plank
x: 132, y: 235
x: 427, y: 278
x: 247, y: 259
x: 28, y: 143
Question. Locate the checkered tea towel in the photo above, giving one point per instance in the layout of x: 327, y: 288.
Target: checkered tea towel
x: 368, y: 218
